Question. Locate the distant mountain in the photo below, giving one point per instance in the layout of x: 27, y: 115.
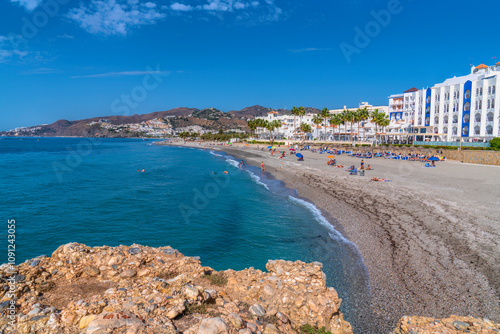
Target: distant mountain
x: 209, y: 119
x: 210, y: 114
x: 250, y: 112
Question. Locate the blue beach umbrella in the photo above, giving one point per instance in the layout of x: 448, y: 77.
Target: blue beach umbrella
x: 433, y: 159
x: 299, y: 155
x: 269, y: 147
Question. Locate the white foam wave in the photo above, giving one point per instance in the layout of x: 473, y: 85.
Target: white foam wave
x: 257, y: 180
x: 334, y: 234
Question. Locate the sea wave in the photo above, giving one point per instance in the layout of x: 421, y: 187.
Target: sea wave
x: 334, y: 234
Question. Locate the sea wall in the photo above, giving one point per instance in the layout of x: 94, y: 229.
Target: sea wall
x: 138, y: 289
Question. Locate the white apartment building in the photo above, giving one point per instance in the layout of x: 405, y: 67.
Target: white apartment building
x: 402, y: 113
x: 464, y: 107
x: 320, y: 131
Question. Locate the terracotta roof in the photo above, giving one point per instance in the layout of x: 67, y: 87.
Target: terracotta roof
x: 272, y: 112
x: 498, y: 63
x: 481, y: 66
x: 411, y: 90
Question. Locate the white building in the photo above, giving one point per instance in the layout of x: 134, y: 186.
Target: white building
x: 402, y: 113
x: 461, y: 107
x: 366, y: 129
x: 320, y: 131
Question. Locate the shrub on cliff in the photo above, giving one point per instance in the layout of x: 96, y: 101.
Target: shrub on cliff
x: 308, y: 329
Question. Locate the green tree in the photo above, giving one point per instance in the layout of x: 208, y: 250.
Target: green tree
x: 346, y: 118
x: 295, y: 113
x: 364, y: 115
x: 252, y: 125
x: 317, y: 119
x: 270, y: 126
x: 325, y: 114
x: 336, y: 120
x: 305, y: 128
x: 495, y: 143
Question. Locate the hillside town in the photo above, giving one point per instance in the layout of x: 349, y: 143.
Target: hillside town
x: 460, y: 110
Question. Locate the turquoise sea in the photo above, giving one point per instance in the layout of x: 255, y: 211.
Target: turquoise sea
x: 93, y: 191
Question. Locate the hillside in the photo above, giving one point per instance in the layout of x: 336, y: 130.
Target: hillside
x: 177, y: 119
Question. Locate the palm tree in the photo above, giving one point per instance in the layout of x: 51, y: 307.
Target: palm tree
x: 384, y: 121
x: 379, y: 119
x: 305, y: 128
x: 317, y: 119
x: 364, y: 115
x: 261, y: 123
x: 324, y: 114
x: 271, y: 126
x: 302, y: 113
x: 336, y: 120
x: 295, y: 113
x: 346, y: 118
x: 252, y: 125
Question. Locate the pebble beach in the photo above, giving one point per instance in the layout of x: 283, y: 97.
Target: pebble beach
x: 430, y: 238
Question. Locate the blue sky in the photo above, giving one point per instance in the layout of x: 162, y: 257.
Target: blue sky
x: 68, y: 59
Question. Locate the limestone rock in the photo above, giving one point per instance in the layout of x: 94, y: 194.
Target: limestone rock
x: 213, y: 326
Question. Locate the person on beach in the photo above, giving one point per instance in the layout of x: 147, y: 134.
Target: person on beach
x: 262, y: 167
x: 369, y: 167
x: 282, y: 155
x: 242, y: 164
x: 143, y: 170
x: 362, y: 164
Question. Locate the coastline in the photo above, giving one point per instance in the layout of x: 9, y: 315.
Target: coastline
x: 430, y: 239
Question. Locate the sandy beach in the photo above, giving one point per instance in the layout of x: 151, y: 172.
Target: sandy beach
x: 430, y: 238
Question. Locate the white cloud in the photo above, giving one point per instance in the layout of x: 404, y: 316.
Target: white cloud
x: 7, y: 50
x: 262, y: 10
x: 181, y: 7
x: 308, y: 50
x: 114, y: 17
x: 121, y: 74
x: 28, y: 4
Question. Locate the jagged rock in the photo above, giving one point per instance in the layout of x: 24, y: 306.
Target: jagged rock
x: 213, y: 326
x: 92, y: 271
x: 271, y: 329
x: 157, y: 285
x: 257, y: 310
x: 235, y: 320
x: 129, y: 273
x: 110, y: 320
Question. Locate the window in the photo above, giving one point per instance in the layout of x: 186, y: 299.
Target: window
x: 477, y: 91
x: 490, y: 117
x: 467, y: 106
x: 488, y: 104
x: 428, y: 99
x: 480, y: 104
x: 465, y: 130
x: 466, y: 118
x: 489, y: 90
x: 481, y: 91
x: 467, y: 94
x: 489, y: 130
x: 493, y: 90
x: 477, y: 104
x: 477, y: 130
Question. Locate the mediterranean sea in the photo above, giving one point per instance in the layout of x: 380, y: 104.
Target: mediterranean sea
x: 94, y: 191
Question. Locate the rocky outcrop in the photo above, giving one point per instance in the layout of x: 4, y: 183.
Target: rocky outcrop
x: 140, y: 289
x: 137, y: 289
x: 451, y: 325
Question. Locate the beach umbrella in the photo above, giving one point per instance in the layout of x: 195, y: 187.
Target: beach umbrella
x: 269, y: 147
x: 299, y: 155
x: 433, y: 159
x: 292, y: 149
x: 331, y: 156
x: 274, y: 146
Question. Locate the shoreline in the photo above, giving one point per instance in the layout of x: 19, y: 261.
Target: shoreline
x: 430, y: 239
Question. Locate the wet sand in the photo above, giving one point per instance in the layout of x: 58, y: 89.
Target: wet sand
x: 430, y: 239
